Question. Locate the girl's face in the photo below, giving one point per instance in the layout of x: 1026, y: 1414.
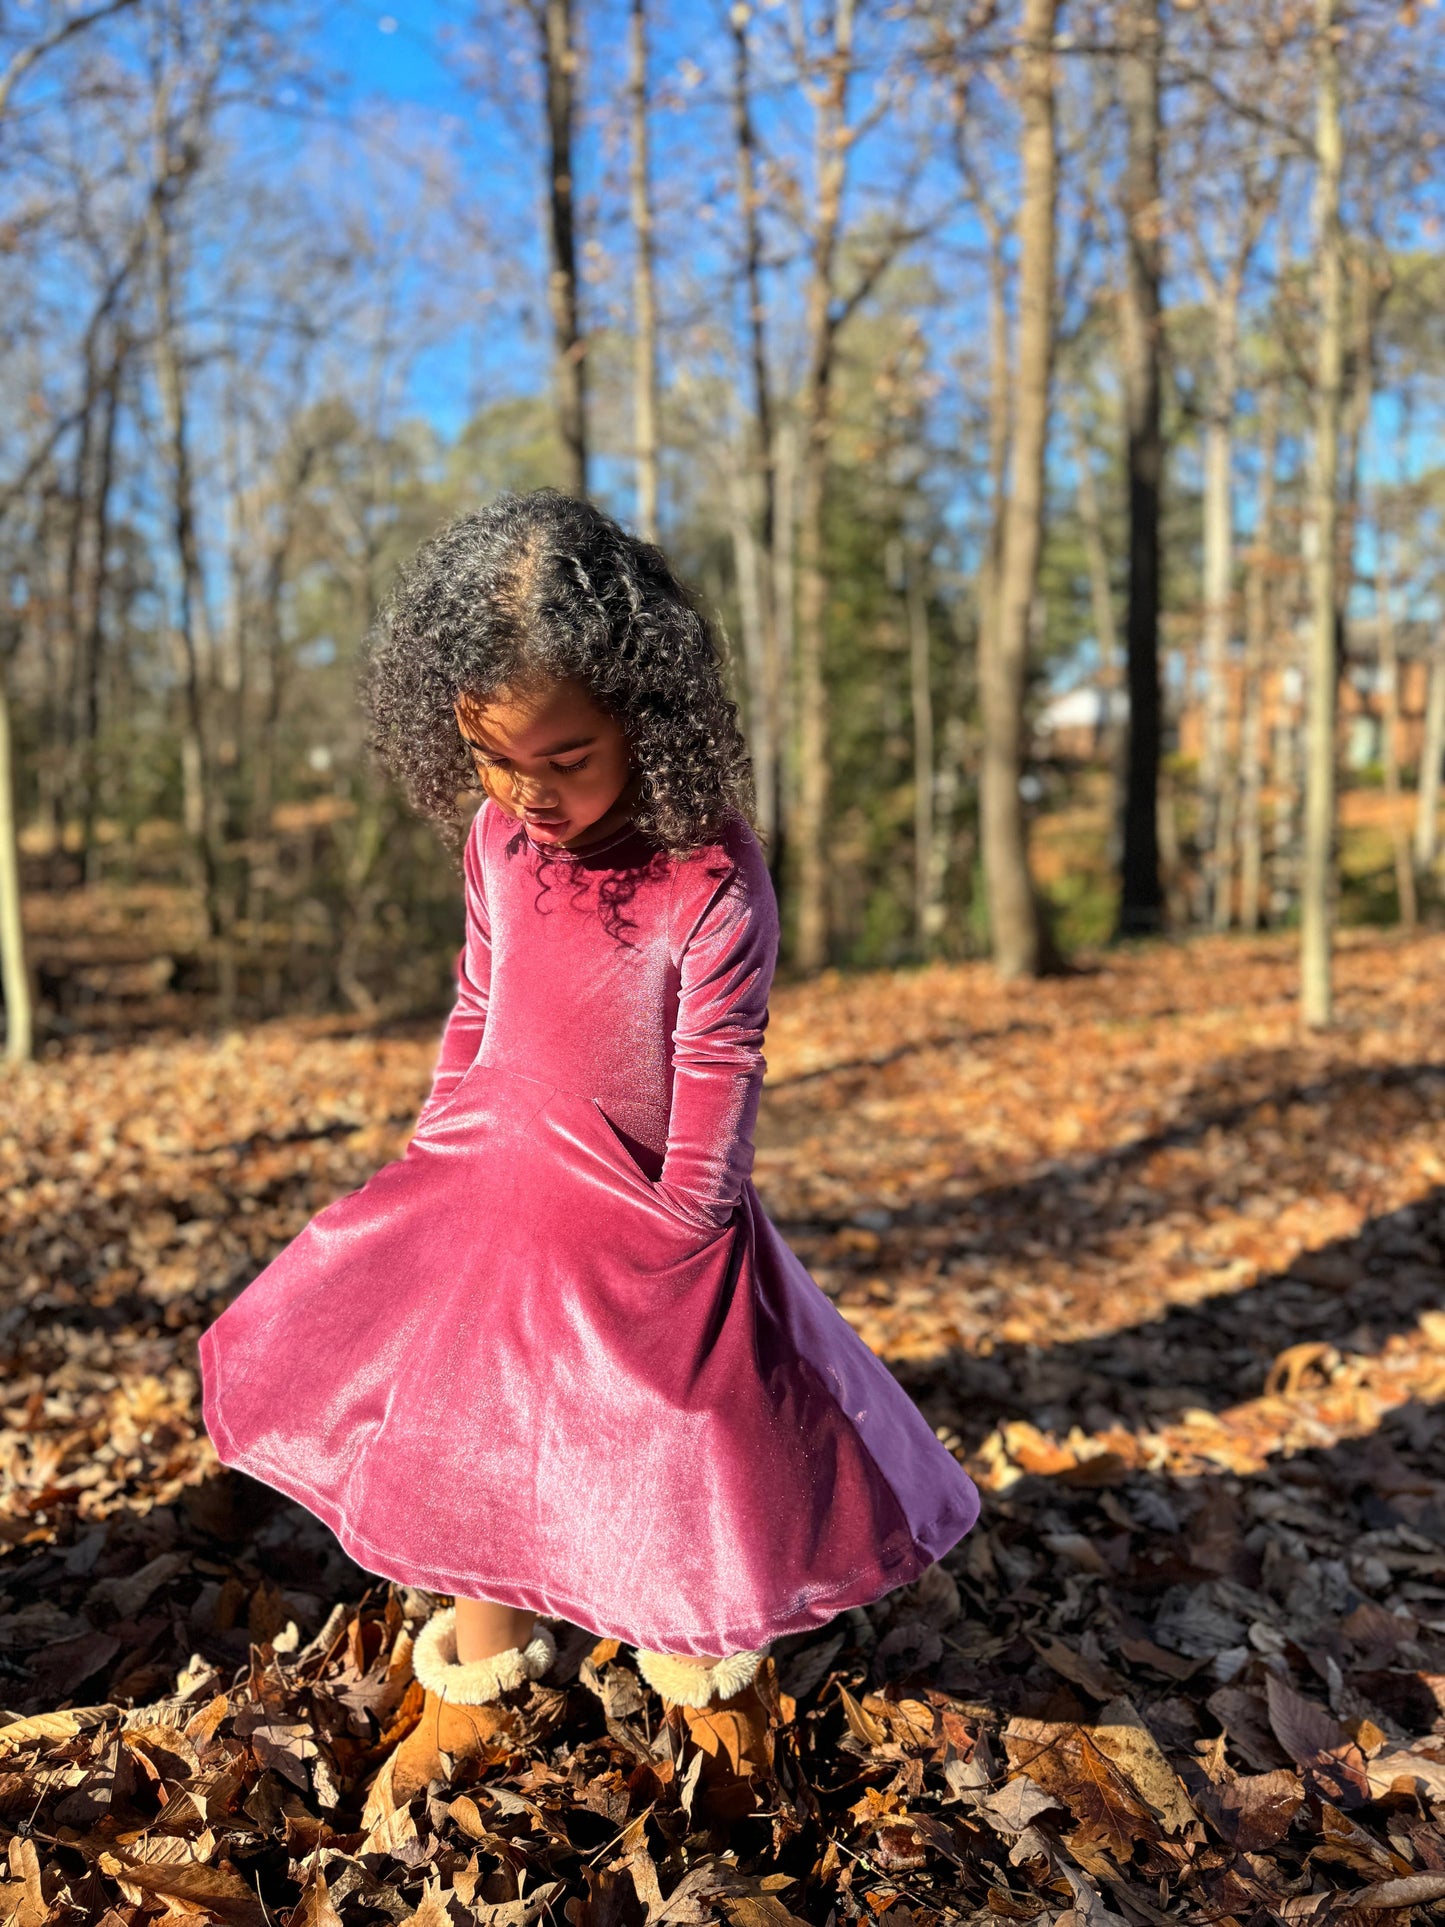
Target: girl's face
x: 548, y: 754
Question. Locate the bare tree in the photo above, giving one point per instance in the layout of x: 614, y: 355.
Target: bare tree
x: 176, y: 147
x: 34, y: 51
x: 1432, y: 754
x: 1101, y: 584
x: 1388, y: 651
x: 14, y: 970
x: 1258, y: 617
x: 1222, y: 261
x: 1317, y: 870
x: 833, y: 140
x: 827, y: 72
x: 1141, y: 901
x: 757, y: 528
x: 1014, y: 921
x: 644, y: 297
x: 926, y: 906
x: 560, y: 66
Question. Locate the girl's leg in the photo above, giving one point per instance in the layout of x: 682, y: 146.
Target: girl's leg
x: 485, y: 1629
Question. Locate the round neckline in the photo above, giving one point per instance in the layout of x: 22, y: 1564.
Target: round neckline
x: 554, y: 851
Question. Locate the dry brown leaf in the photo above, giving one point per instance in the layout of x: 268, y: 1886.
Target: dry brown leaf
x: 314, y: 1909
x: 1255, y: 1812
x: 217, y: 1889
x: 861, y: 1725
x: 1065, y: 1761
x: 1123, y: 1736
x: 433, y: 1911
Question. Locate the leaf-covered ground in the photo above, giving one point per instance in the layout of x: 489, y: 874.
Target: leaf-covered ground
x: 1168, y: 1277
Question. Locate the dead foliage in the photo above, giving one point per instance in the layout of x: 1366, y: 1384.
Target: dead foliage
x: 1166, y: 1275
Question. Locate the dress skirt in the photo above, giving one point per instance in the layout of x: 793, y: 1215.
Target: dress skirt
x: 508, y: 1368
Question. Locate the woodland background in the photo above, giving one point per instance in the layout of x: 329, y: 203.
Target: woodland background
x: 1046, y: 399
x: 1046, y: 403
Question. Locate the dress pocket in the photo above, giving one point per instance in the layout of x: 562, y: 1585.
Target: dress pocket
x: 605, y: 1135
x: 616, y: 1142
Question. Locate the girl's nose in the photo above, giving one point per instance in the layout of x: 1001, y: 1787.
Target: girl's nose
x: 533, y: 792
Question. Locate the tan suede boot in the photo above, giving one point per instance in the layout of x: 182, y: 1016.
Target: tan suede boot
x: 726, y: 1717
x: 464, y: 1710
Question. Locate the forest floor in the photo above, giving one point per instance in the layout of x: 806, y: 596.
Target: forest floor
x: 1168, y: 1274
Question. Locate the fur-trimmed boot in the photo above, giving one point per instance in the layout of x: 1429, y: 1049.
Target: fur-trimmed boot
x: 687, y: 1681
x: 462, y: 1712
x: 727, y: 1718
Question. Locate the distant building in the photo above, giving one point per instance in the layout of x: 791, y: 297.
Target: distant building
x: 1074, y: 725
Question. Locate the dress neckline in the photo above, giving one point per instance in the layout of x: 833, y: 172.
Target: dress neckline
x: 555, y: 853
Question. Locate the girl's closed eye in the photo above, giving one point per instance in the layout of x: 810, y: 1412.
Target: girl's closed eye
x: 571, y: 769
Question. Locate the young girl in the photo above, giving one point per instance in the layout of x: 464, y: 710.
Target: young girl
x: 556, y: 1360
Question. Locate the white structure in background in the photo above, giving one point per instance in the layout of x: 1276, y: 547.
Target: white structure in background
x: 1075, y: 722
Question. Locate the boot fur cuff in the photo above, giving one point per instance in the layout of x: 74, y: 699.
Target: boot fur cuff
x: 434, y: 1661
x: 687, y: 1682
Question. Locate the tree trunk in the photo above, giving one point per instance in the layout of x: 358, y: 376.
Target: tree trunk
x: 1101, y: 588
x: 191, y: 626
x: 1109, y: 737
x: 1141, y: 900
x: 1000, y: 432
x: 948, y: 783
x: 811, y: 811
x: 14, y: 971
x: 93, y: 642
x: 784, y: 583
x: 1317, y: 871
x: 750, y: 565
x: 1014, y: 920
x: 1432, y: 754
x: 1257, y: 623
x: 559, y: 78
x: 1218, y: 602
x: 644, y: 293
x: 921, y: 697
x: 1390, y: 750
x: 759, y: 507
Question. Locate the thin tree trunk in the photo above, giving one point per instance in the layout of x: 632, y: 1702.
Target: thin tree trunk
x: 1000, y: 432
x: 811, y: 813
x: 760, y: 508
x: 559, y: 78
x: 948, y: 783
x: 1317, y: 878
x: 921, y: 696
x: 644, y: 292
x: 1171, y: 857
x: 1101, y: 588
x: 95, y: 625
x: 74, y: 548
x: 750, y: 566
x: 1256, y: 640
x: 785, y: 631
x: 1218, y: 602
x: 1014, y: 921
x: 1109, y: 738
x: 14, y: 970
x: 1390, y: 744
x: 1141, y: 899
x: 195, y: 759
x: 1432, y: 754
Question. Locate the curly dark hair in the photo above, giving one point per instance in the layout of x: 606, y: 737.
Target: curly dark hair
x: 542, y: 584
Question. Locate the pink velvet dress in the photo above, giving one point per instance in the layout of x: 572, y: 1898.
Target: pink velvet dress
x: 556, y: 1355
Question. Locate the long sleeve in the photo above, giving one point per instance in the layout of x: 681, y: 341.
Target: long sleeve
x: 726, y: 972
x: 462, y: 1037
